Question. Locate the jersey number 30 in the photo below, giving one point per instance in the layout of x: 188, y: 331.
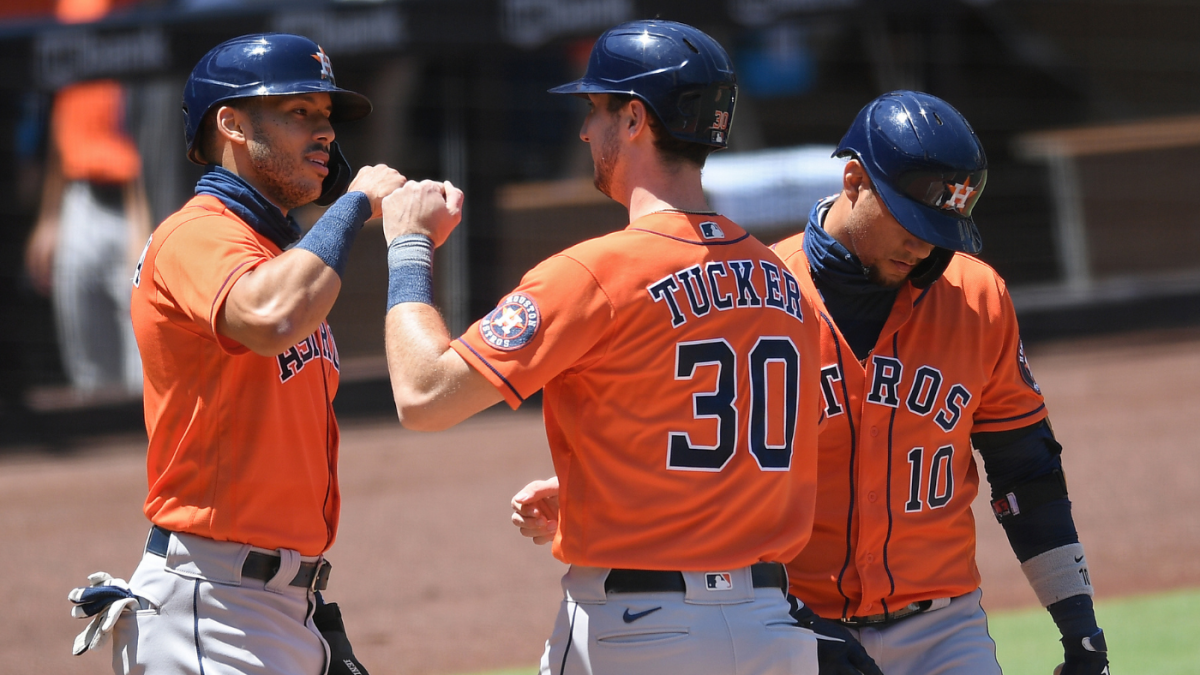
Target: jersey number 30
x: 721, y: 405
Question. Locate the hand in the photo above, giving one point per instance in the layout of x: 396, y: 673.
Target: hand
x: 426, y: 207
x: 377, y: 182
x: 1084, y: 656
x: 838, y: 653
x: 39, y: 255
x: 103, y: 601
x: 535, y: 510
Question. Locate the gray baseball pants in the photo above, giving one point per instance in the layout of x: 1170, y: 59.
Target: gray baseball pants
x: 733, y: 629
x: 200, y: 616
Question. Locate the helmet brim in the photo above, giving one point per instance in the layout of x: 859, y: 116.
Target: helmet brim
x: 927, y: 223
x: 586, y: 85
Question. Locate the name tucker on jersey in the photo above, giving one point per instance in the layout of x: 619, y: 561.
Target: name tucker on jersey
x: 722, y: 285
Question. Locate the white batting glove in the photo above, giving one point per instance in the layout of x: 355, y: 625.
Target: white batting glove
x: 103, y: 601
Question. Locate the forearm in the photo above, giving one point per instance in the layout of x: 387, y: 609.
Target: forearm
x: 1029, y: 498
x: 432, y: 386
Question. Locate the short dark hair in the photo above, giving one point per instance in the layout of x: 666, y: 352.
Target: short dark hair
x: 673, y: 150
x: 207, y: 143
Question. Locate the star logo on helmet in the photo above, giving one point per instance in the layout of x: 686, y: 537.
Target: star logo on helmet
x: 326, y: 65
x: 959, y: 194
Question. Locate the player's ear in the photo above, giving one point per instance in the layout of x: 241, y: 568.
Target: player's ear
x: 636, y: 121
x: 229, y: 123
x: 854, y: 179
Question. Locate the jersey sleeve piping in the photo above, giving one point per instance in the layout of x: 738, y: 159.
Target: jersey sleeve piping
x: 492, y: 368
x: 1012, y: 419
x: 691, y: 241
x: 222, y: 295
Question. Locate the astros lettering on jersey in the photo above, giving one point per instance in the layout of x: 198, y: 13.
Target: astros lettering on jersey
x: 659, y: 400
x: 896, y: 477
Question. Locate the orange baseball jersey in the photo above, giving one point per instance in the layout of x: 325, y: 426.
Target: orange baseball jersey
x: 243, y: 447
x: 896, y: 473
x: 679, y: 365
x: 89, y: 131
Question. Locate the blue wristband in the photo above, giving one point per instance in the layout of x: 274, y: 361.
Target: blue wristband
x: 333, y: 234
x: 410, y: 270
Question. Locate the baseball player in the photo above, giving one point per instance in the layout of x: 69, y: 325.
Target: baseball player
x: 921, y: 361
x: 229, y: 306
x: 678, y: 363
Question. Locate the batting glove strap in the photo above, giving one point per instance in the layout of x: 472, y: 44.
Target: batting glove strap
x: 838, y: 653
x: 103, y: 600
x: 1085, y: 655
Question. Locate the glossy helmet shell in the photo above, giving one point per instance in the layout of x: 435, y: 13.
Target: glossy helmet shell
x: 926, y: 163
x: 264, y: 64
x: 684, y: 75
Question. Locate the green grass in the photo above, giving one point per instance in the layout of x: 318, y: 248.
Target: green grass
x: 1147, y: 635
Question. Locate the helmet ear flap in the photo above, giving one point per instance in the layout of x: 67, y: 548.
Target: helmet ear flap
x: 931, y: 268
x: 338, y: 180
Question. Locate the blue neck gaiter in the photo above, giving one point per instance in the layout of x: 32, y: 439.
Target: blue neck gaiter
x: 238, y: 196
x: 857, y: 305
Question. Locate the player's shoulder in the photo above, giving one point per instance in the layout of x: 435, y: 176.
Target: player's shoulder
x: 790, y: 248
x: 973, y: 286
x: 971, y: 273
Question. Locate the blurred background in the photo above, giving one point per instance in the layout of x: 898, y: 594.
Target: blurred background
x: 1089, y: 111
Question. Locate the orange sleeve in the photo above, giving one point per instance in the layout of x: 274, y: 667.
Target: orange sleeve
x: 548, y: 324
x: 1012, y: 398
x: 87, y: 124
x: 200, y: 262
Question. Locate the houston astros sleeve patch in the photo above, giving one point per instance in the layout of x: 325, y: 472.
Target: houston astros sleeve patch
x: 513, y: 323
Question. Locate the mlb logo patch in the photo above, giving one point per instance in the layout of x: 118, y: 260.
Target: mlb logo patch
x: 718, y: 581
x: 711, y: 230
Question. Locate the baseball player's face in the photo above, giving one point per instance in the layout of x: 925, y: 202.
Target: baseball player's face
x: 288, y: 145
x: 599, y: 131
x: 885, y: 248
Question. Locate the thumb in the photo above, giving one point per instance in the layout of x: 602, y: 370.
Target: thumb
x: 537, y: 491
x: 454, y: 198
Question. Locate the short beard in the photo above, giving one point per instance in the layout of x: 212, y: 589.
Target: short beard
x: 606, y: 163
x: 876, y: 277
x: 275, y: 172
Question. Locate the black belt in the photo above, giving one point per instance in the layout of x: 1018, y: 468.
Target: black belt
x: 887, y: 617
x: 262, y: 566
x: 763, y: 575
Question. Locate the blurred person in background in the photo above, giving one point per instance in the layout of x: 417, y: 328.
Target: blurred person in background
x: 93, y: 220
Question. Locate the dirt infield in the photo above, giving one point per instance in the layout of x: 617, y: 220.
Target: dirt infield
x: 433, y: 580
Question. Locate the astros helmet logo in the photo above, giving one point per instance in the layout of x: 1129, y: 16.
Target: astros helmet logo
x: 959, y: 194
x: 326, y: 64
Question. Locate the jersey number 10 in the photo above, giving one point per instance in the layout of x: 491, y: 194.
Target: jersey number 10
x: 721, y: 404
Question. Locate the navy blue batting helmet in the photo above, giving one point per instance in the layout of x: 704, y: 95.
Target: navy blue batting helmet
x: 925, y: 162
x: 684, y: 76
x: 265, y: 64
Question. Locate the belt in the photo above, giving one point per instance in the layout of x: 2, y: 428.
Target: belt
x: 763, y: 575
x: 888, y: 617
x: 262, y: 566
